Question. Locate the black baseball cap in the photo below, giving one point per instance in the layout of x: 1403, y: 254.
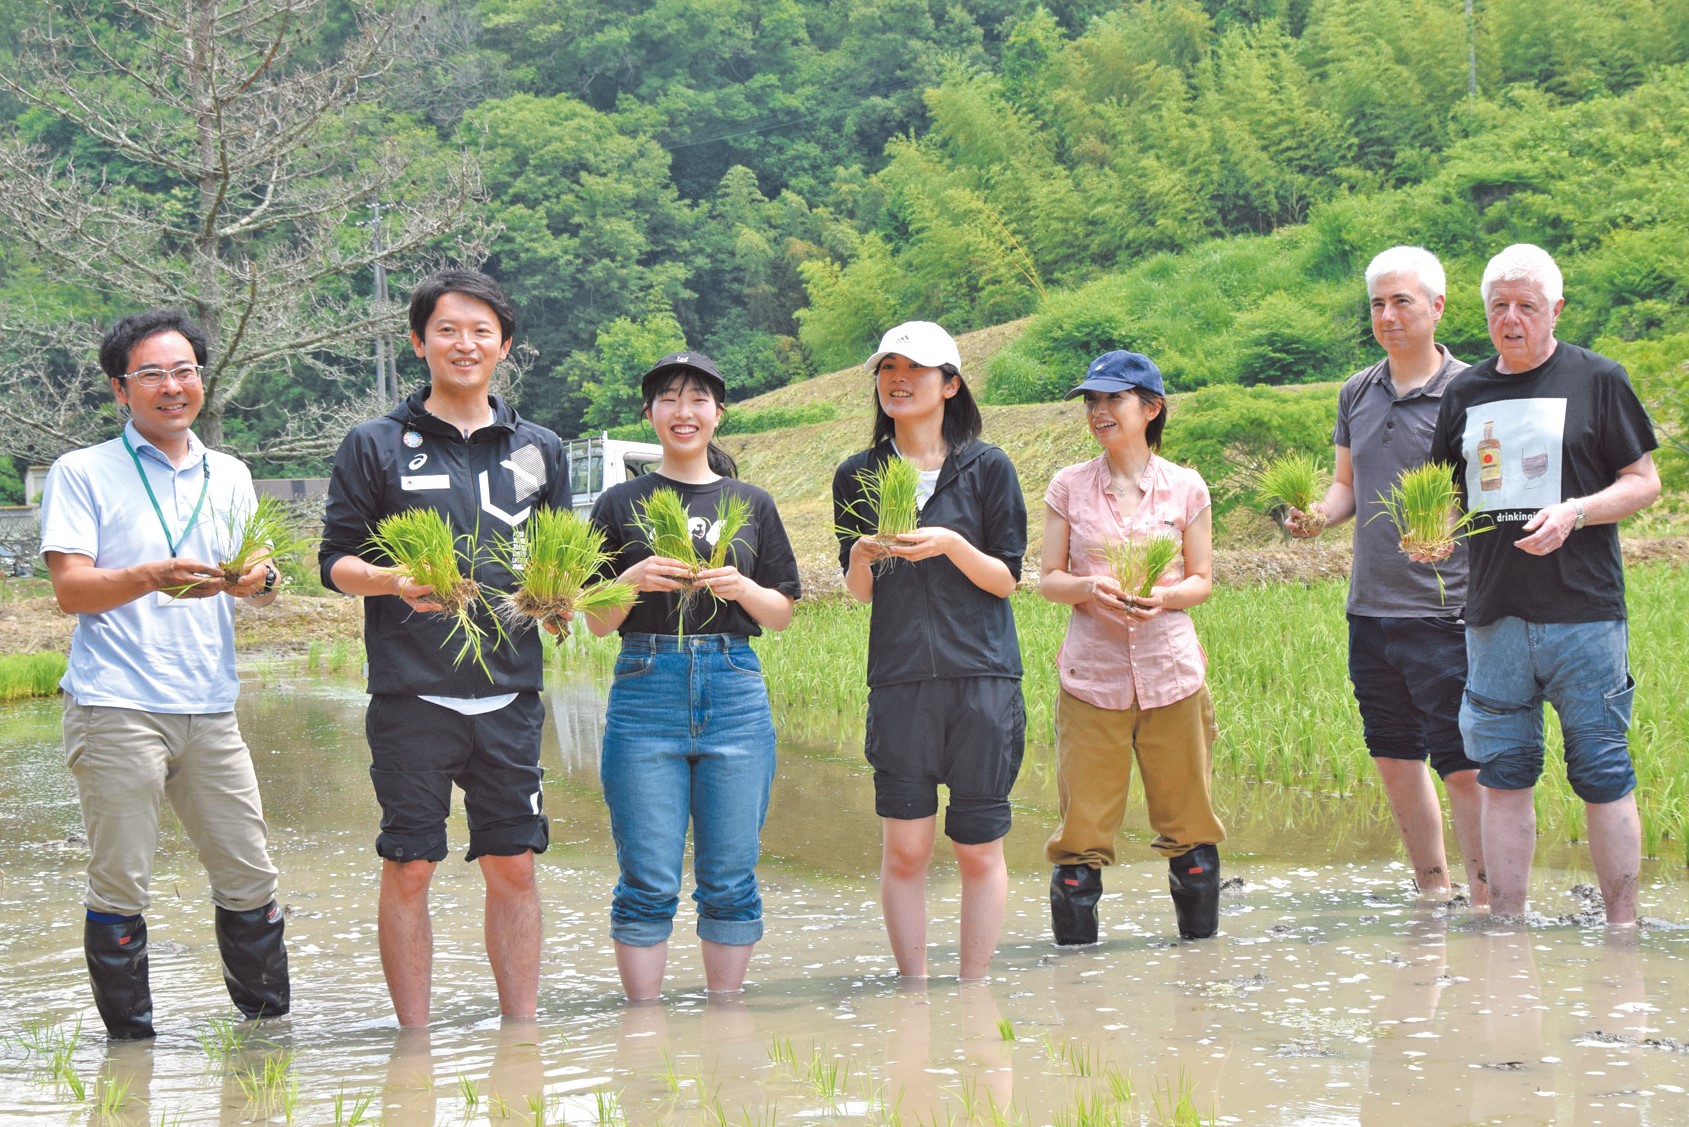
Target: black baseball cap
x: 675, y: 363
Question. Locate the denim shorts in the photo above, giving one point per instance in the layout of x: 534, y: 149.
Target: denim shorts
x: 688, y: 739
x: 1581, y: 668
x: 1409, y: 675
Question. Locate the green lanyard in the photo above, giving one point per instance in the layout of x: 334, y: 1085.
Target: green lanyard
x: 193, y: 517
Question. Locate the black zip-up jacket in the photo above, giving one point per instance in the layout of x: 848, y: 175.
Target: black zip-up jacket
x: 928, y: 620
x: 485, y: 486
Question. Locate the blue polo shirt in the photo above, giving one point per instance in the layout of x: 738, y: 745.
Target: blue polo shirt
x: 176, y: 658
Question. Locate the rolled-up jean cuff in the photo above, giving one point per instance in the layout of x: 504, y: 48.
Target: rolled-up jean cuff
x: 641, y: 933
x: 731, y: 933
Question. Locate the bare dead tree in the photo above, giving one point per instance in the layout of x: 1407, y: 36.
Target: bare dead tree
x: 259, y: 160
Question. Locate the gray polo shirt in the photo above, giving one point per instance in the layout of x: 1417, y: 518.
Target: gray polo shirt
x: 1385, y: 436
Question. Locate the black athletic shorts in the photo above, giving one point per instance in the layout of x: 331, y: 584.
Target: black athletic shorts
x: 419, y: 749
x: 967, y: 733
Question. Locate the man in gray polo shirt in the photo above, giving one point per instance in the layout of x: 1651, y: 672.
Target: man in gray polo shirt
x: 1407, y: 639
x: 131, y: 530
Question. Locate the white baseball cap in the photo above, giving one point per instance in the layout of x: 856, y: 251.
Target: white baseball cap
x: 921, y: 341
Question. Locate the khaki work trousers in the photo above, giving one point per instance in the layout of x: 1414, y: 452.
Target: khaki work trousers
x: 1094, y: 752
x: 126, y: 762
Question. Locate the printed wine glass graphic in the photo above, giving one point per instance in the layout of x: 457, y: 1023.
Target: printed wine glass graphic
x: 1535, y: 464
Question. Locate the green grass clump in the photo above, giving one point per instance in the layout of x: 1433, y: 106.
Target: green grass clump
x: 556, y: 559
x: 30, y: 675
x: 667, y: 527
x: 424, y: 550
x: 268, y: 531
x: 1294, y: 481
x: 1137, y: 563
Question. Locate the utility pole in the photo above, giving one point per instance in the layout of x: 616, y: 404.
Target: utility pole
x: 386, y: 362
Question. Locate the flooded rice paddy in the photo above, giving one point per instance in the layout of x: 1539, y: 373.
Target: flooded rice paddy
x: 1330, y: 997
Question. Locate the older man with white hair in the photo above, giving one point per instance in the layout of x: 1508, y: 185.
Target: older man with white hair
x: 1551, y: 449
x: 1407, y: 641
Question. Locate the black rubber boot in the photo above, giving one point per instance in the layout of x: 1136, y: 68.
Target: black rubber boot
x: 254, y: 960
x: 1194, y: 880
x: 1074, y: 892
x: 117, y: 967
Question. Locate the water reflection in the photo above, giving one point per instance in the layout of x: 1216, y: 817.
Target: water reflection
x: 1331, y: 995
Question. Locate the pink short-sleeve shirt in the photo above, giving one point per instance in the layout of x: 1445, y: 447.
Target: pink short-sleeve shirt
x: 1105, y: 660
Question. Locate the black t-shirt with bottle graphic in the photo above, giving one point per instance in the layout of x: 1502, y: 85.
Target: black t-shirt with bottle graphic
x: 760, y: 550
x: 1522, y: 441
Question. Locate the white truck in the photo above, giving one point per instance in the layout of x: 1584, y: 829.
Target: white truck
x: 595, y: 464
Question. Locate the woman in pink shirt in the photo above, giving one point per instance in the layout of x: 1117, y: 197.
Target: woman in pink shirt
x: 1131, y: 667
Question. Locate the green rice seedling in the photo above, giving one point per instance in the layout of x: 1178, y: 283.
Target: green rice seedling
x: 1138, y: 562
x: 556, y: 558
x: 780, y: 1051
x: 471, y: 1097
x: 267, y: 531
x: 1005, y: 1029
x: 1176, y: 1107
x: 608, y: 1111
x: 1119, y: 1085
x: 349, y: 1111
x: 888, y: 499
x: 223, y: 1037
x: 424, y: 549
x: 667, y: 527
x: 270, y: 1086
x: 1422, y: 506
x: 110, y: 1094
x: 1294, y: 481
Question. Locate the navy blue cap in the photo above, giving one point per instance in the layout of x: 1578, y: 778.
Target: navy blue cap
x: 1119, y: 370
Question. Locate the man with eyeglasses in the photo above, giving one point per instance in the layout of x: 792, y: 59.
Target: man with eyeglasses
x: 132, y: 530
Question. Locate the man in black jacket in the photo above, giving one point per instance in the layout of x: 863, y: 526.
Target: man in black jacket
x: 433, y: 720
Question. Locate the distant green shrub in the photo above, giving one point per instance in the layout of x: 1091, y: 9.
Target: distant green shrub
x: 30, y: 675
x: 760, y: 419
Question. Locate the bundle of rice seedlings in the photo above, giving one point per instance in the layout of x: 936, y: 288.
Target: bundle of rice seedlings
x: 424, y: 549
x: 1423, y: 506
x: 887, y: 503
x: 1137, y: 563
x: 556, y: 560
x: 667, y: 527
x: 1294, y: 481
x: 268, y: 531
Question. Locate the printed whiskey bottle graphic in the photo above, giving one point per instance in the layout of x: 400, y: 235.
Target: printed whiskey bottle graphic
x: 1489, y: 459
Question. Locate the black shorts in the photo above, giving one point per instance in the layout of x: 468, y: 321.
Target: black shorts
x: 418, y: 750
x: 967, y: 733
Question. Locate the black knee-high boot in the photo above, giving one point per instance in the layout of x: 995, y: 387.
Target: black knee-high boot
x: 1074, y: 892
x: 1194, y: 880
x: 255, y: 960
x: 117, y: 967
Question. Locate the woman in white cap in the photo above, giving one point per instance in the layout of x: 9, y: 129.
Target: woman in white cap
x: 688, y: 737
x: 1132, y: 671
x: 944, y: 703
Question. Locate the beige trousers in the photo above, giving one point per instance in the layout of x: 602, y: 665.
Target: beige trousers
x: 126, y: 762
x: 1094, y: 752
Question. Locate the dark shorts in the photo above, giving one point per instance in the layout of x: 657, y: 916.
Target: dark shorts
x: 967, y: 733
x: 1409, y: 676
x: 418, y: 750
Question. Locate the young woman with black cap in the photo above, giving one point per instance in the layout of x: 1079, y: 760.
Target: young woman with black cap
x: 688, y: 736
x: 1131, y: 668
x: 944, y: 703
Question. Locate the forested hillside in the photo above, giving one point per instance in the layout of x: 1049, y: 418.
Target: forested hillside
x: 775, y: 181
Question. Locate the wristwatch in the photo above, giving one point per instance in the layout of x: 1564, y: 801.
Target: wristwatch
x: 271, y: 578
x: 1577, y: 503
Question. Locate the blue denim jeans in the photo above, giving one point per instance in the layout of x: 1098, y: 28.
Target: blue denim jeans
x: 1581, y: 668
x: 688, y: 737
x: 1409, y: 675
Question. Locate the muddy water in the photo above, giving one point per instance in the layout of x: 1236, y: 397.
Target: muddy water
x: 1330, y: 997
